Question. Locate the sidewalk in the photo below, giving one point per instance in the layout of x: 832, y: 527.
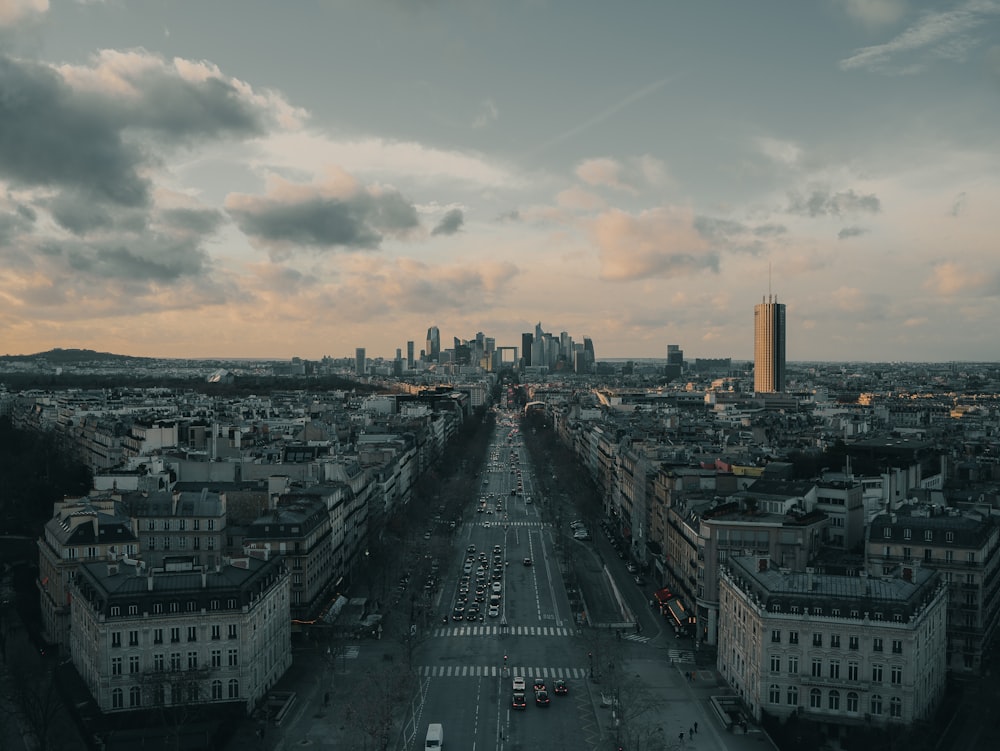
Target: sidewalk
x: 660, y: 708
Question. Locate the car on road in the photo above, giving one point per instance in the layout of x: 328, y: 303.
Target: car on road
x: 496, y: 588
x: 471, y: 549
x: 494, y: 611
x: 542, y: 698
x: 518, y: 683
x: 538, y: 684
x: 560, y: 688
x: 518, y: 701
x: 458, y: 613
x: 527, y: 561
x: 632, y: 569
x: 638, y: 580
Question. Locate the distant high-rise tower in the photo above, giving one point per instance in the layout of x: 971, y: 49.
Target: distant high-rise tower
x: 769, y: 346
x: 433, y: 344
x: 409, y: 355
x: 360, y: 361
x: 527, y: 339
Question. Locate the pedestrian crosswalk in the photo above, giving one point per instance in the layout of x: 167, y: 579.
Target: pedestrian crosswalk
x: 351, y: 651
x: 638, y: 638
x: 507, y: 630
x: 496, y: 671
x: 680, y: 655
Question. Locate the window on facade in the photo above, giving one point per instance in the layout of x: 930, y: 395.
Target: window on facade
x: 116, y: 666
x: 817, y: 640
x: 232, y: 631
x: 886, y: 532
x: 928, y: 535
x: 175, y: 660
x: 116, y: 638
x: 907, y: 552
x: 233, y: 658
x: 895, y: 707
x: 210, y: 543
x: 793, y: 637
x: 971, y: 557
x: 793, y: 664
x: 216, y: 689
x: 117, y: 699
x: 896, y: 675
x: 835, y: 641
x: 192, y: 633
x: 133, y: 664
x: 182, y: 542
x: 897, y: 647
x: 877, y: 642
x: 158, y: 663
x: 775, y: 664
x: 133, y: 638
x: 876, y: 673
x: 852, y: 701
x: 175, y: 607
x: 774, y: 694
x: 928, y: 555
x: 852, y: 671
x: 834, y: 668
x: 192, y: 660
x: 192, y: 606
x: 949, y: 537
x: 159, y: 695
x: 182, y: 524
x: 216, y: 658
x: 166, y: 543
x: 876, y: 704
x: 157, y: 634
x: 197, y: 524
x: 115, y: 611
x: 815, y: 698
x: 234, y: 688
x: 175, y: 634
x: 852, y: 642
x: 196, y: 543
x: 151, y: 525
x: 133, y: 610
x: 211, y: 524
x: 817, y: 667
x: 833, y: 700
x: 216, y: 631
x: 793, y: 695
x: 151, y: 542
x: 949, y: 556
x: 776, y: 636
x: 135, y: 696
x: 907, y: 534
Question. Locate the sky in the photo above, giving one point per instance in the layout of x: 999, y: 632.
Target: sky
x: 247, y: 178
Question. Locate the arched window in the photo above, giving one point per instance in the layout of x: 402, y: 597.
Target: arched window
x: 876, y: 704
x: 234, y: 688
x: 117, y: 699
x: 774, y: 694
x: 895, y: 707
x: 793, y: 695
x: 833, y: 700
x: 815, y: 699
x: 135, y: 696
x: 216, y: 689
x: 852, y: 701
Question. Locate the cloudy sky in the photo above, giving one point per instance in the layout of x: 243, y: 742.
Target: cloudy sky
x: 249, y: 178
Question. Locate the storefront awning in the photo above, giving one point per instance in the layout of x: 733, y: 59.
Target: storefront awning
x: 662, y: 595
x: 678, y: 613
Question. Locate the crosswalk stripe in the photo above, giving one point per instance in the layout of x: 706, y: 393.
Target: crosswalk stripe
x: 513, y: 630
x: 491, y: 671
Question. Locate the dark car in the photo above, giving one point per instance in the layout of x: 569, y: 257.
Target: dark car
x: 519, y: 702
x: 458, y: 613
x: 527, y: 561
x: 538, y: 684
x: 542, y: 698
x: 560, y: 688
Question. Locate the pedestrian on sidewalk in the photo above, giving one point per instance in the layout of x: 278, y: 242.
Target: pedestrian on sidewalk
x: 696, y: 727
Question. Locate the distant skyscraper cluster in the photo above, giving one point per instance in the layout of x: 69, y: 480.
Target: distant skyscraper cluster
x: 543, y: 350
x: 769, y: 346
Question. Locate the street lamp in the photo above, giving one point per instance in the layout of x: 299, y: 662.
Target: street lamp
x: 590, y: 656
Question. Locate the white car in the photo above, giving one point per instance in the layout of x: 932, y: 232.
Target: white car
x: 494, y: 611
x: 519, y: 683
x: 496, y: 588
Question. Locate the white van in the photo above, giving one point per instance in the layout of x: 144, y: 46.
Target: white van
x: 435, y: 737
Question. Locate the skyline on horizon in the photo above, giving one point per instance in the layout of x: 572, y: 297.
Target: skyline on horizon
x: 346, y: 174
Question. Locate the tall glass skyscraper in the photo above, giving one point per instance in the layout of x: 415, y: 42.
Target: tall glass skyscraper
x: 433, y: 344
x: 769, y: 346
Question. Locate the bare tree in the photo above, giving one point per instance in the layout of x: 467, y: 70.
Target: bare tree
x: 371, y: 711
x: 31, y: 697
